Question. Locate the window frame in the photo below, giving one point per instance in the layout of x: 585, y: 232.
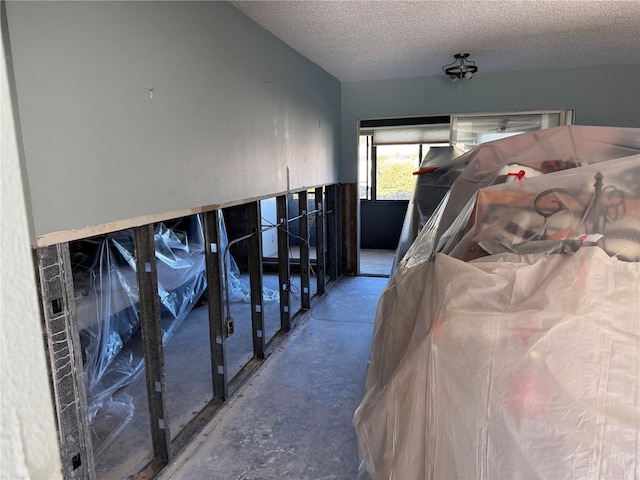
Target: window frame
x: 368, y: 126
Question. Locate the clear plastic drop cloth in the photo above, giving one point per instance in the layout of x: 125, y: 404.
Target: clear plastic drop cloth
x: 510, y: 366
x: 108, y: 321
x: 107, y: 312
x: 535, y: 153
x: 595, y: 204
x: 507, y: 343
x: 438, y: 170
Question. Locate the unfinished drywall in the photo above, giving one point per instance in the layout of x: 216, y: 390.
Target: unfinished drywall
x: 606, y: 96
x: 29, y: 443
x: 132, y: 109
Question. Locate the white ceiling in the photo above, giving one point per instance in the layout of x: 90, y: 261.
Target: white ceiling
x: 371, y: 40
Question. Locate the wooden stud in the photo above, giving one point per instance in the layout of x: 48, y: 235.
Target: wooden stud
x: 284, y: 265
x: 332, y: 209
x: 254, y: 224
x: 303, y: 211
x: 149, y: 306
x: 217, y: 327
x: 320, y: 234
x: 57, y: 300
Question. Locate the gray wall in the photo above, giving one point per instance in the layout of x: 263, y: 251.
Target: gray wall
x: 607, y: 96
x: 29, y: 441
x: 235, y: 113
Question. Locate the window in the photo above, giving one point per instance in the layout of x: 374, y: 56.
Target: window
x: 390, y: 150
x: 470, y: 130
x: 385, y: 172
x: 365, y: 166
x: 395, y: 165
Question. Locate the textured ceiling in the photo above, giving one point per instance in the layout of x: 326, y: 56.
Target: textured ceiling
x: 371, y: 40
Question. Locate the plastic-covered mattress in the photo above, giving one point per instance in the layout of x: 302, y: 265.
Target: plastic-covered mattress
x: 507, y: 343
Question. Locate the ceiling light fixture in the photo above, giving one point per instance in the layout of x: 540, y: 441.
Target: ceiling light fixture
x: 460, y: 67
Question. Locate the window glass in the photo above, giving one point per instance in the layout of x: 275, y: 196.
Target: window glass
x: 472, y: 130
x: 364, y: 167
x: 395, y: 165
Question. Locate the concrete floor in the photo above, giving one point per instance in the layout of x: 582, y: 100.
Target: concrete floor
x: 376, y: 262
x: 293, y: 419
x: 188, y: 378
x: 335, y: 338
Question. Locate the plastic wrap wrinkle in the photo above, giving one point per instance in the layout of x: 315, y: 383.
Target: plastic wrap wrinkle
x: 566, y: 145
x: 531, y: 398
x: 109, y: 322
x: 107, y: 311
x: 435, y: 184
x: 507, y: 342
x: 423, y: 247
x: 562, y: 206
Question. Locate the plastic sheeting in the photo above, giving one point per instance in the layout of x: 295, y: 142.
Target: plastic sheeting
x: 541, y: 152
x: 507, y: 343
x: 597, y: 204
x: 438, y: 170
x: 507, y: 367
x: 107, y: 312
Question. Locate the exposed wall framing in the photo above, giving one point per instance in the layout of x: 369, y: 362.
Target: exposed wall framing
x: 65, y: 360
x: 63, y: 343
x: 332, y: 231
x: 284, y: 266
x: 303, y: 211
x: 217, y: 326
x: 320, y: 242
x: 254, y: 225
x: 349, y: 204
x: 146, y: 274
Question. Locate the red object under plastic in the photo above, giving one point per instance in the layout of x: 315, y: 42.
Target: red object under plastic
x: 425, y: 170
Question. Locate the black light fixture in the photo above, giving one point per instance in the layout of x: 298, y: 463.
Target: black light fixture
x: 460, y: 67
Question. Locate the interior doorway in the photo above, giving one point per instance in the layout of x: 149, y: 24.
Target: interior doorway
x: 391, y: 151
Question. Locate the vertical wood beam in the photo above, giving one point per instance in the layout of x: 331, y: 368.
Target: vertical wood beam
x: 57, y: 302
x: 254, y: 224
x: 349, y: 208
x: 332, y: 231
x: 284, y: 266
x: 320, y: 235
x: 303, y: 211
x: 149, y: 306
x: 215, y: 296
